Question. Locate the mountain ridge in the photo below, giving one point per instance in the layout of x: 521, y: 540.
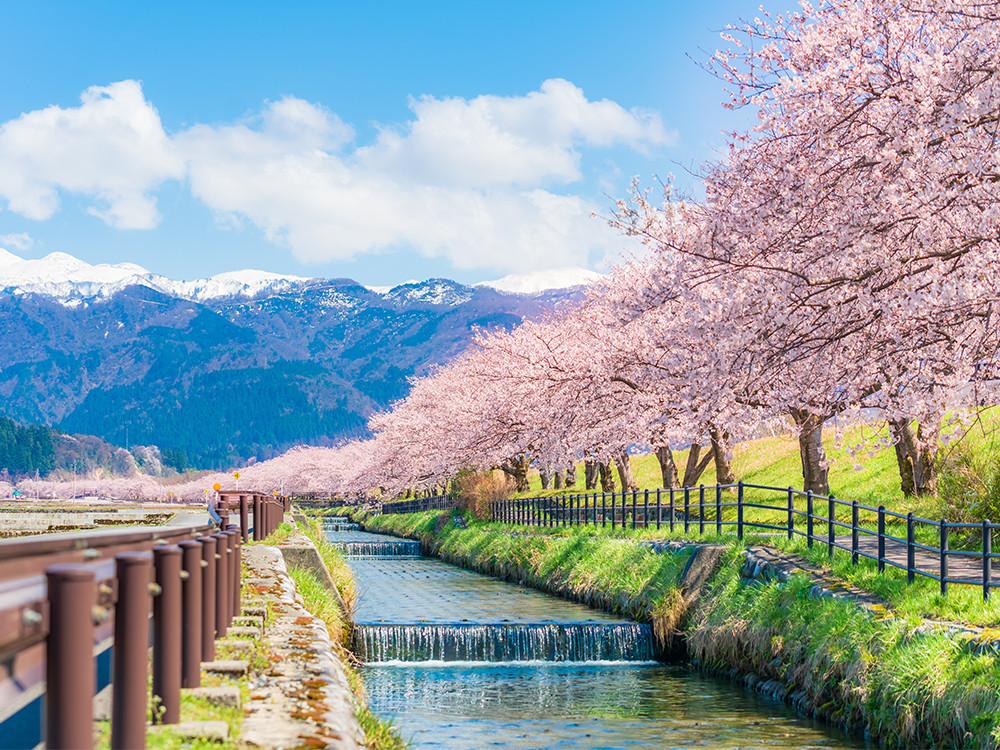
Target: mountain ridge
x: 225, y: 379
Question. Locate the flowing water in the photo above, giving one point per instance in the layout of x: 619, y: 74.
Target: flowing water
x: 461, y: 660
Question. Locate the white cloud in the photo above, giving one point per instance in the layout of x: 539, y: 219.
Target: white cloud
x: 16, y: 241
x: 465, y: 180
x: 480, y: 182
x: 111, y: 148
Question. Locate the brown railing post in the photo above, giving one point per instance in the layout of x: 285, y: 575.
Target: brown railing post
x: 167, y: 635
x: 221, y: 585
x: 70, y: 676
x: 258, y: 521
x: 244, y: 518
x: 191, y: 594
x: 236, y: 555
x: 131, y: 651
x: 209, y: 581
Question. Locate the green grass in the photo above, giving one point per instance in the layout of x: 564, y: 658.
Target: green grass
x: 875, y: 675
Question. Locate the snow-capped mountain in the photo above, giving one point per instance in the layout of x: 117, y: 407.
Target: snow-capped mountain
x: 71, y: 280
x: 541, y: 281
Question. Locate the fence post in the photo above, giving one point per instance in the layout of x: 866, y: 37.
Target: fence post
x: 944, y: 557
x: 244, y: 518
x: 910, y: 550
x: 633, y: 508
x: 854, y: 532
x: 831, y: 530
x: 191, y: 625
x: 258, y: 521
x: 70, y: 676
x: 701, y: 509
x: 659, y: 508
x: 237, y: 573
x: 687, y: 508
x: 645, y: 509
x: 881, y: 538
x: 987, y: 550
x: 809, y: 518
x: 131, y: 650
x: 718, y: 509
x: 739, y: 510
x: 221, y: 585
x: 613, y: 519
x: 167, y: 634
x: 791, y: 513
x: 208, y: 584
x: 671, y: 508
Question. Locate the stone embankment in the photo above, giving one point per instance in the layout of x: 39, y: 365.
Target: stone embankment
x: 302, y: 699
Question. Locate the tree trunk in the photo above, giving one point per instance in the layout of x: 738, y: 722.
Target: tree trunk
x: 517, y: 469
x: 917, y: 467
x: 668, y: 469
x: 543, y: 474
x: 624, y: 465
x: 815, y: 472
x: 607, y: 478
x: 720, y: 446
x: 558, y: 484
x: 571, y: 474
x: 591, y: 474
x: 695, y: 467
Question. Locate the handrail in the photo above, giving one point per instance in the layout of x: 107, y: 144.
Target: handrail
x: 65, y: 594
x: 695, y: 510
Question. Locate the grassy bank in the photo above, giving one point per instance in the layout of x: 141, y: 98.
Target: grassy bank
x: 886, y: 676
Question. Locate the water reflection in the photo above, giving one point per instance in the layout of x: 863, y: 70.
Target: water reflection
x: 560, y: 705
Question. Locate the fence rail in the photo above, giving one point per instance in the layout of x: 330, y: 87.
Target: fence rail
x: 64, y: 597
x: 416, y: 505
x: 920, y: 546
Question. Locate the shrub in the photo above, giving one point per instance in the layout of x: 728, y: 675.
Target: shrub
x: 969, y: 485
x: 477, y: 490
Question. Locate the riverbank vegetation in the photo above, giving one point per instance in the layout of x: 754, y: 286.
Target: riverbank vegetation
x: 880, y: 672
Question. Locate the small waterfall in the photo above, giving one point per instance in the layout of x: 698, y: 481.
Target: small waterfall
x: 404, y: 548
x: 555, y: 642
x: 339, y: 523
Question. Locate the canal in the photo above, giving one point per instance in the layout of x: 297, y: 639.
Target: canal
x: 461, y: 660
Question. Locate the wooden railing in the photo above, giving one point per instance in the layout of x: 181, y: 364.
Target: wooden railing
x: 65, y: 597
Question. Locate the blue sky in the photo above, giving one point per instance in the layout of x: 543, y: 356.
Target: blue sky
x: 381, y: 141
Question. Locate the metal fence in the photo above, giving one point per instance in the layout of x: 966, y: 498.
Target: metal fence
x: 920, y: 546
x: 65, y: 597
x: 416, y: 505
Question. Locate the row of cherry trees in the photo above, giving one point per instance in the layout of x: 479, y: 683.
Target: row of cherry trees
x: 845, y: 256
